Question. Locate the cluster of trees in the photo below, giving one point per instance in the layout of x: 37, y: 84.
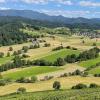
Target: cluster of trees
x: 83, y: 86
x: 57, y: 86
x: 33, y: 79
x: 4, y: 82
x: 10, y: 34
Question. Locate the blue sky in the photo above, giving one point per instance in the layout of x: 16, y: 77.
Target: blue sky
x: 67, y: 8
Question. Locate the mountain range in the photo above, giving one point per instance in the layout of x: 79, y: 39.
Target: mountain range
x: 44, y: 17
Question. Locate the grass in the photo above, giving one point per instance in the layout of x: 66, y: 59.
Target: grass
x: 95, y: 71
x: 66, y: 83
x: 89, y: 63
x: 5, y: 60
x: 61, y: 53
x: 27, y: 72
x: 84, y: 94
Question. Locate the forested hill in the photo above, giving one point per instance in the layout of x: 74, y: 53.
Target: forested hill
x: 79, y: 22
x: 10, y: 29
x: 10, y: 32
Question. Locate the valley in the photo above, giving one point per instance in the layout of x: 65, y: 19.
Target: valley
x: 40, y: 56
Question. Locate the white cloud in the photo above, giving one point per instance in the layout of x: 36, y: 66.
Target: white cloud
x: 65, y: 2
x: 3, y: 8
x: 35, y: 1
x: 89, y: 3
x: 2, y: 1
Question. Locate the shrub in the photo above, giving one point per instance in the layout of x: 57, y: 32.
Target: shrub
x: 1, y: 54
x: 77, y: 72
x: 25, y: 56
x: 47, y: 45
x: 68, y: 47
x: 25, y: 48
x: 79, y: 86
x: 2, y: 82
x: 58, y: 48
x: 56, y: 85
x: 93, y: 85
x: 21, y: 90
x: 8, y: 54
x: 10, y: 49
x: 31, y: 47
x: 59, y: 62
x: 21, y: 80
x: 33, y: 79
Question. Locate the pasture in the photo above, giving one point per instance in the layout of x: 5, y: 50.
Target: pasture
x: 85, y: 94
x: 66, y: 83
x: 28, y: 72
x: 59, y: 54
x: 95, y: 71
x: 89, y: 63
x: 5, y: 60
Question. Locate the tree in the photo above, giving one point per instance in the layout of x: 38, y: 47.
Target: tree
x: 21, y: 90
x: 93, y: 85
x: 33, y: 79
x: 56, y: 85
x: 25, y: 48
x: 10, y: 49
x: 1, y: 54
x: 59, y: 62
x: 79, y: 86
x: 8, y: 54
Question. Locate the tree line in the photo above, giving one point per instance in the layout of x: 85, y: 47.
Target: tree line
x: 18, y: 60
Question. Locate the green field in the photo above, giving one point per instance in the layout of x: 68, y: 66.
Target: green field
x: 89, y: 63
x: 85, y: 94
x: 95, y: 71
x: 30, y: 32
x: 30, y: 72
x: 61, y: 53
x: 5, y: 60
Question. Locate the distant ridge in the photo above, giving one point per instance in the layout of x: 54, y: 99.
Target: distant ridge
x: 44, y: 17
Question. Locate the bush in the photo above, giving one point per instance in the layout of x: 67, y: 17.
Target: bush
x: 47, y: 45
x: 21, y: 80
x: 59, y: 62
x: 79, y: 86
x: 58, y: 48
x: 33, y: 79
x: 25, y: 56
x: 21, y: 90
x: 8, y: 54
x: 77, y: 72
x: 2, y: 82
x: 93, y: 85
x: 1, y: 54
x: 25, y: 48
x: 10, y: 49
x: 56, y: 85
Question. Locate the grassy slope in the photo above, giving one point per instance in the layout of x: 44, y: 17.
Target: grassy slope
x: 5, y: 60
x: 95, y: 71
x: 89, y: 63
x: 85, y: 94
x: 27, y: 72
x: 61, y: 53
x: 66, y: 83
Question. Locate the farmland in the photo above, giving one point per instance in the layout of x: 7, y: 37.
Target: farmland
x: 56, y: 72
x: 58, y: 95
x: 89, y: 63
x: 31, y: 71
x: 61, y: 53
x: 66, y: 83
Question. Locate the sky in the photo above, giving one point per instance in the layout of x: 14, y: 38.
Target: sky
x: 67, y: 8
